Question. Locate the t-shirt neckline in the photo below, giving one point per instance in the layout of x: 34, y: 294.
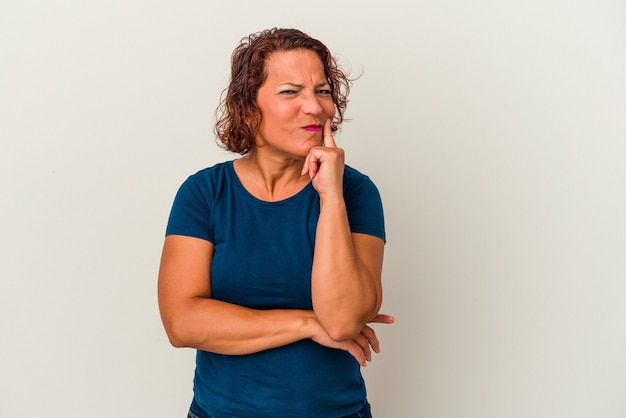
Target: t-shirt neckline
x: 237, y: 182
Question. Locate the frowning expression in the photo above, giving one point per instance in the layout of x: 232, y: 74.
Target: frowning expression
x: 294, y: 101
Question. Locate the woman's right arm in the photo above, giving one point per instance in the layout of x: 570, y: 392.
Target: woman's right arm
x: 193, y: 319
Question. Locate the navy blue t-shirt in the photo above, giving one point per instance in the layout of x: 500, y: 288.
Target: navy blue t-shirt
x: 262, y: 260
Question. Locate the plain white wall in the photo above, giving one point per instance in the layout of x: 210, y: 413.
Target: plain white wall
x: 495, y: 131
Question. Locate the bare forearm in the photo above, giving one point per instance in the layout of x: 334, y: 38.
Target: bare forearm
x: 225, y: 328
x: 343, y: 291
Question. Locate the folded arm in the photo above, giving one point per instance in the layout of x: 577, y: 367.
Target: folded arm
x: 193, y: 319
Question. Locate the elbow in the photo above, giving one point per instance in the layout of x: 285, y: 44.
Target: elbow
x: 343, y: 331
x: 345, y: 327
x: 176, y: 335
x: 176, y: 342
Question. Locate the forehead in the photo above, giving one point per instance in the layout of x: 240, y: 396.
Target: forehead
x: 297, y: 66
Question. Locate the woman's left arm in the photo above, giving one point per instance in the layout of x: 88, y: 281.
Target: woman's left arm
x: 347, y: 267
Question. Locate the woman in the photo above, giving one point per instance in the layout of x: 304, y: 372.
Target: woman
x: 271, y: 266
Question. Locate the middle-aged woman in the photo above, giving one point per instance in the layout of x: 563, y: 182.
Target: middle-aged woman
x: 271, y: 266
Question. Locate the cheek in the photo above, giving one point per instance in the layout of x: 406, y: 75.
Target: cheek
x: 329, y: 109
x: 284, y: 111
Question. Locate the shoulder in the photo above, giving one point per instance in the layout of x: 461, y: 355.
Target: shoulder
x: 359, y: 190
x: 200, y: 189
x: 193, y: 205
x: 215, y: 172
x: 351, y: 173
x: 356, y: 181
x: 207, y: 180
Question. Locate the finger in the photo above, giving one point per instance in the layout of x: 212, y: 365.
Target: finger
x: 369, y: 334
x: 311, y: 164
x: 305, y: 166
x: 356, y: 351
x: 329, y: 139
x: 383, y: 319
x: 363, y: 342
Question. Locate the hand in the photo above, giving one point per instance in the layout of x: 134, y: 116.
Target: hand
x: 362, y: 345
x: 325, y: 165
x: 368, y: 338
x: 359, y: 347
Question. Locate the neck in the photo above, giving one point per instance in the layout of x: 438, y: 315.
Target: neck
x: 270, y: 178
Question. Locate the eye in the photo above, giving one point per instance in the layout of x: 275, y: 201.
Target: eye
x: 287, y: 92
x: 325, y: 92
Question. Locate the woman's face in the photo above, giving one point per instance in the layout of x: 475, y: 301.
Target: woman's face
x: 295, y: 100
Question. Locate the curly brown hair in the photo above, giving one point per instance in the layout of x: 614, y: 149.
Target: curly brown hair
x: 238, y: 115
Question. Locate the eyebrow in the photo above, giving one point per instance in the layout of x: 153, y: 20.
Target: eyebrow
x: 300, y: 85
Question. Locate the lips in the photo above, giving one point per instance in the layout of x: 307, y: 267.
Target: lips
x: 313, y: 128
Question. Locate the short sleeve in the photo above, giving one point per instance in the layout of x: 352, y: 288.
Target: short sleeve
x: 364, y: 207
x: 191, y: 210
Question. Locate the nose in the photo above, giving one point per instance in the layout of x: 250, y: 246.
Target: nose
x: 311, y: 105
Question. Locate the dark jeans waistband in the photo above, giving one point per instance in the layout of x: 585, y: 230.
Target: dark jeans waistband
x: 195, y: 411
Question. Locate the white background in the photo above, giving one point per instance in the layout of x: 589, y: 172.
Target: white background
x: 495, y: 130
